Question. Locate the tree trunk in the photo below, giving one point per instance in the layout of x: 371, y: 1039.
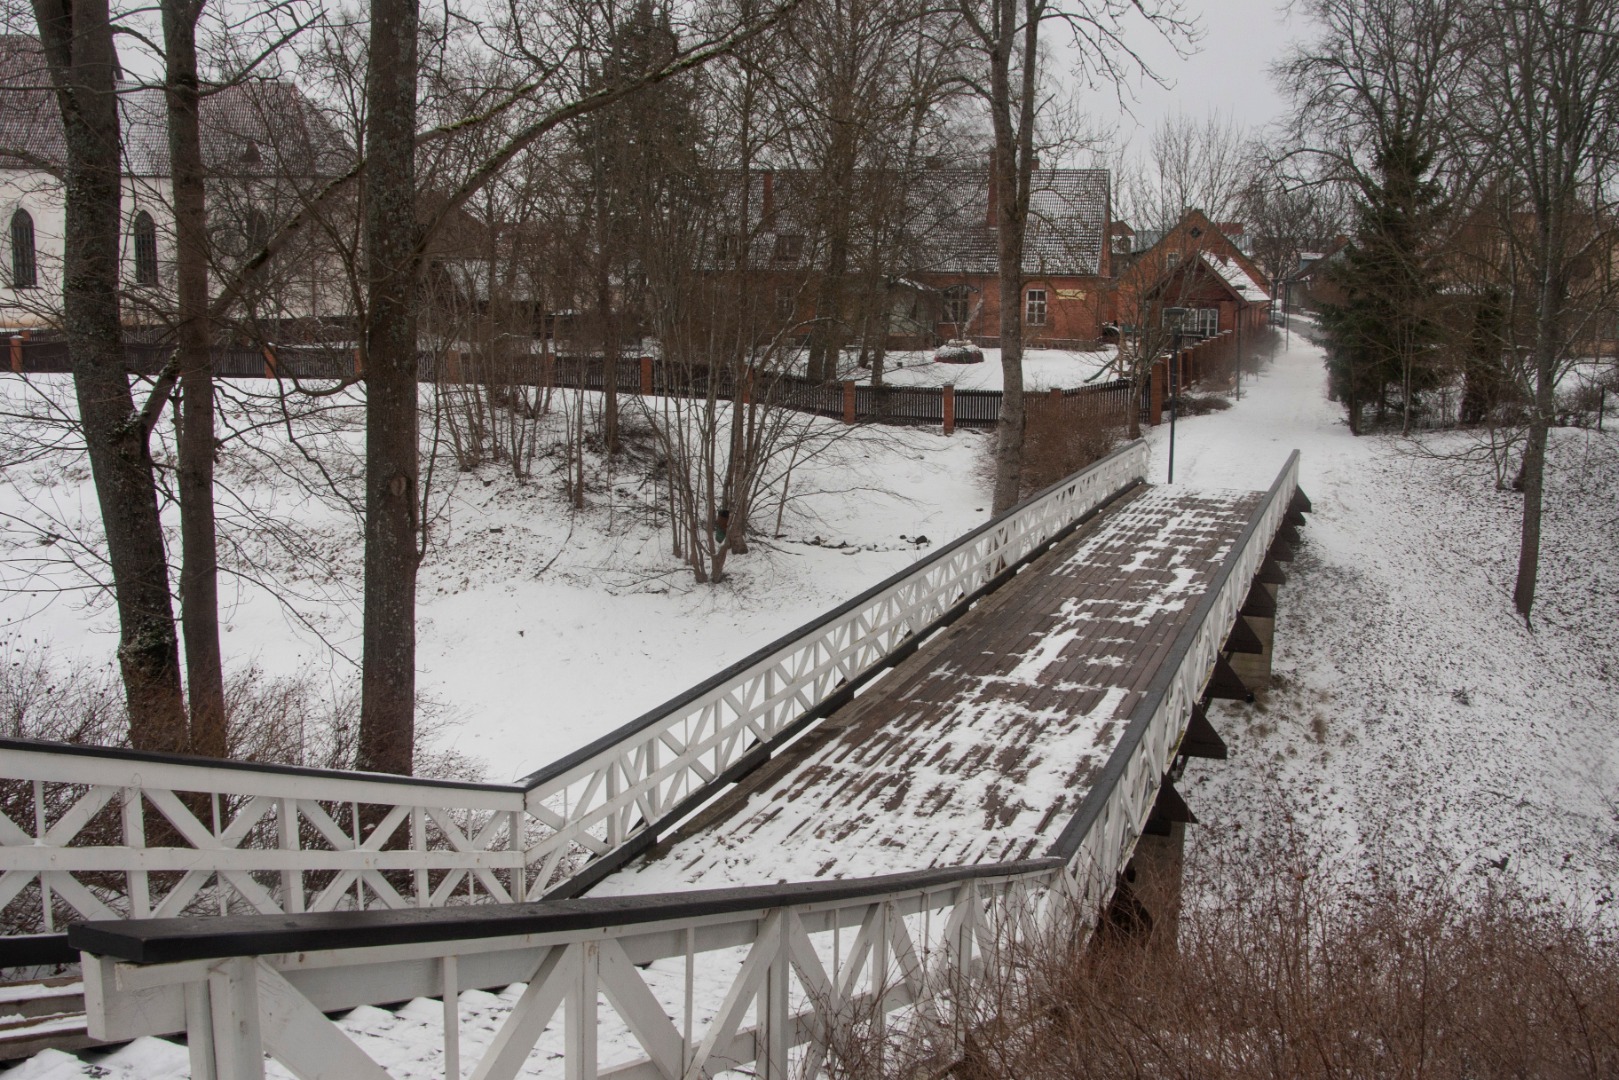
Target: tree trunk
x: 1548, y: 306
x: 199, y: 566
x: 1011, y: 170
x: 609, y: 336
x: 388, y: 671
x: 77, y: 36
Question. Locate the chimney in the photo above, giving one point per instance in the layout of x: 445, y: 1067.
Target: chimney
x: 767, y: 208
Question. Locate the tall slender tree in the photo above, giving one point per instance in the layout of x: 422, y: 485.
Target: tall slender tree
x: 77, y: 36
x: 1548, y: 119
x: 199, y: 557
x: 392, y: 476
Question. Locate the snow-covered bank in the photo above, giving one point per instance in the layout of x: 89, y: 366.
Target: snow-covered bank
x: 539, y: 628
x: 1416, y: 724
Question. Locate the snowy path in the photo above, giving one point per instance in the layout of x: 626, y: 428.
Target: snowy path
x: 1415, y: 723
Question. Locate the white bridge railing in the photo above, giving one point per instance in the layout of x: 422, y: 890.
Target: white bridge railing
x: 810, y: 964
x: 100, y: 834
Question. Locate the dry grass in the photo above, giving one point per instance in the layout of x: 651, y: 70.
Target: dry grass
x: 1062, y: 437
x: 1275, y: 975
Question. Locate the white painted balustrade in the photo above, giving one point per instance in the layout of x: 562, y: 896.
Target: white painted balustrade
x: 87, y: 834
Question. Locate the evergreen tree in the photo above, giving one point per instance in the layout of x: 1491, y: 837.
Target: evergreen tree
x: 639, y: 159
x: 1382, y: 339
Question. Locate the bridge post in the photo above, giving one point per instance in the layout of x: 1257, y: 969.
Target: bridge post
x: 1157, y: 868
x: 1259, y: 612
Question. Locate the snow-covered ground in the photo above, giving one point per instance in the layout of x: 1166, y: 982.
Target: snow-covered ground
x: 1043, y: 369
x: 1416, y: 725
x: 539, y: 628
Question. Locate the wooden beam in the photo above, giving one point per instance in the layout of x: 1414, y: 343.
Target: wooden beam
x: 1225, y: 683
x: 1242, y: 638
x: 1260, y: 604
x: 1167, y: 810
x: 1201, y: 740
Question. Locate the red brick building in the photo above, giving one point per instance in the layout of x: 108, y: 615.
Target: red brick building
x: 1195, y: 266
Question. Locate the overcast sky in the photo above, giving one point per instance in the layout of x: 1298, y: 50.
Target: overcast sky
x: 1229, y: 72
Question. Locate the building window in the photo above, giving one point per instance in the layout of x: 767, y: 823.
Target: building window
x: 786, y: 304
x: 956, y: 301
x: 145, y: 249
x: 1173, y: 259
x: 729, y: 248
x: 789, y: 247
x: 1035, y: 310
x: 1197, y: 322
x: 24, y: 270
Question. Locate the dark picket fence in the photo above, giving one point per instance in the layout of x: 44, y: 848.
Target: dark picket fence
x: 853, y: 403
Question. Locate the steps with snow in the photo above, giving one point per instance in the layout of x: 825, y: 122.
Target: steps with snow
x: 40, y: 1014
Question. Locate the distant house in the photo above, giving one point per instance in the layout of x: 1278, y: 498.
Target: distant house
x: 1196, y: 266
x: 264, y: 145
x: 1309, y: 284
x: 940, y: 278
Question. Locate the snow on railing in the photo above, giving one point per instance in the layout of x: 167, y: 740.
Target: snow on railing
x: 88, y: 833
x: 822, y: 959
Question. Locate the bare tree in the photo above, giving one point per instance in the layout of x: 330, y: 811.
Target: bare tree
x: 77, y: 36
x: 1548, y: 113
x: 1006, y: 33
x: 199, y: 559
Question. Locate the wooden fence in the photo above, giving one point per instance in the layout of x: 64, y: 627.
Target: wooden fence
x: 649, y: 376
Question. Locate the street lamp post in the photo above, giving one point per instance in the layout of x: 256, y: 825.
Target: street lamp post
x: 1178, y: 314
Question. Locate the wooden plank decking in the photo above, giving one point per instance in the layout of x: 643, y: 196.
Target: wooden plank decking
x: 979, y: 747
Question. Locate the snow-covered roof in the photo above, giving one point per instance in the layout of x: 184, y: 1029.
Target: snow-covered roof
x: 260, y: 128
x: 1231, y: 272
x: 947, y: 217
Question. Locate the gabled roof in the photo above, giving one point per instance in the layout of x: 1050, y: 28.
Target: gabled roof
x: 1068, y: 220
x: 1236, y: 278
x: 261, y: 129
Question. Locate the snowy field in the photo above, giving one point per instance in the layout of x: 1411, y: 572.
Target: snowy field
x: 1043, y: 369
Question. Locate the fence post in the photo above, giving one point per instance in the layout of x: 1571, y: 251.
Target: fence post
x: 16, y: 353
x: 949, y: 408
x: 1155, y: 407
x: 1055, y: 393
x: 269, y: 363
x: 646, y: 376
x: 359, y: 363
x: 848, y: 401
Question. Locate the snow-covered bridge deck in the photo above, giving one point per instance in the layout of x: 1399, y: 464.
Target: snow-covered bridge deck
x: 981, y: 746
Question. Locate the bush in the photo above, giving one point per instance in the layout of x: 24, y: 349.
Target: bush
x: 1275, y: 974
x: 1061, y: 437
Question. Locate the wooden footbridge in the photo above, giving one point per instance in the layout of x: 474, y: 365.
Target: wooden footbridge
x: 848, y: 824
